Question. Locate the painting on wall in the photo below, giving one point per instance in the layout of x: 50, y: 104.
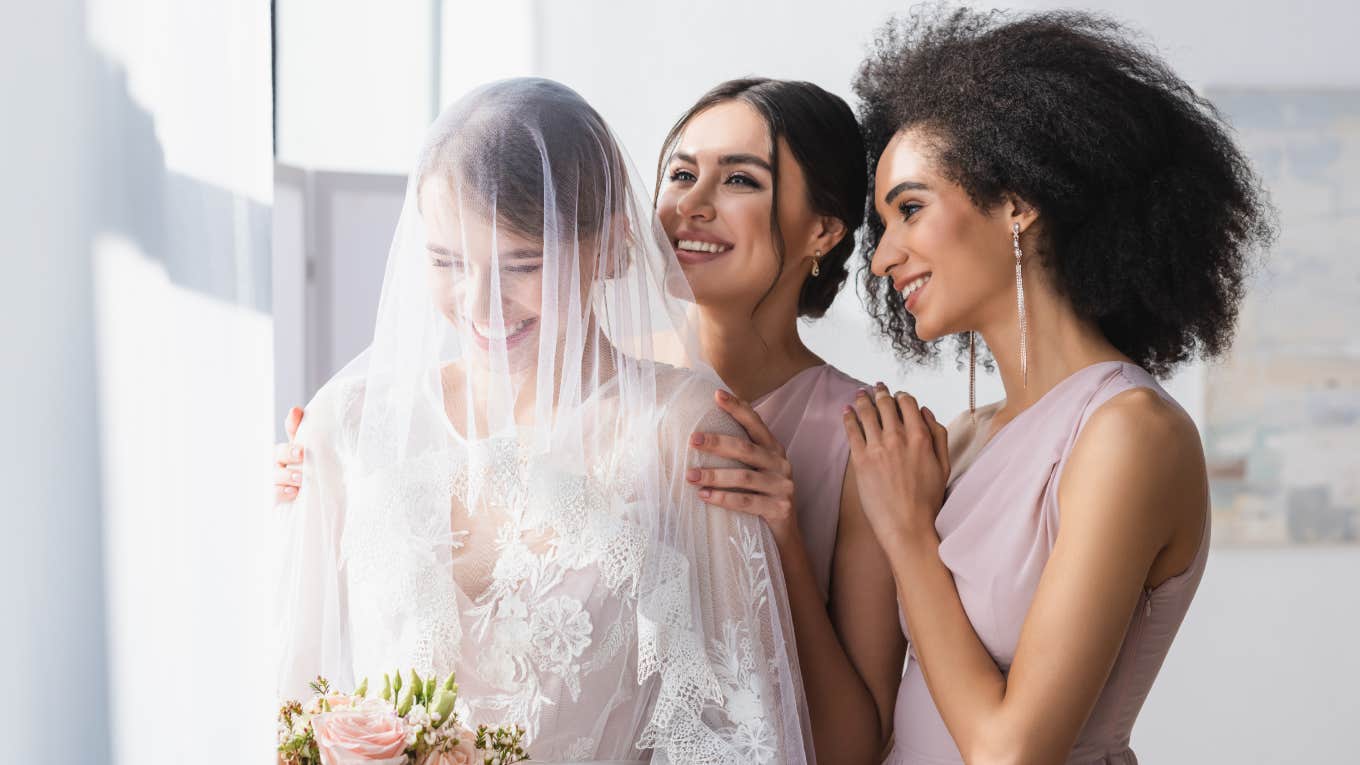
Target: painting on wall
x: 1282, y: 410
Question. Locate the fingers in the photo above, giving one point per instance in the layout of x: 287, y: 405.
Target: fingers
x: 853, y: 432
x: 749, y: 419
x: 939, y: 437
x: 913, y: 425
x: 867, y: 413
x: 888, y: 413
x: 759, y: 481
x: 286, y: 477
x: 760, y: 505
x: 287, y: 454
x: 286, y: 484
x: 291, y: 423
x: 743, y: 451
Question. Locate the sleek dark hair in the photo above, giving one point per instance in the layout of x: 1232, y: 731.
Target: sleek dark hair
x: 497, y: 141
x: 1149, y: 212
x: 825, y: 139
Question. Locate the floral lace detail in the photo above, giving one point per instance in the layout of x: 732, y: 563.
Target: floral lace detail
x: 711, y: 708
x: 549, y: 526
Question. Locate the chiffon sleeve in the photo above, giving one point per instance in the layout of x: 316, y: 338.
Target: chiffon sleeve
x: 311, y: 619
x: 714, y: 623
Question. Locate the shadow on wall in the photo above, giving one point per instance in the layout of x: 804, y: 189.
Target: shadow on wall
x: 223, y: 252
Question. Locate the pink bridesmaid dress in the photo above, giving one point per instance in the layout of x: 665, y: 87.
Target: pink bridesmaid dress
x: 997, y: 529
x: 805, y: 415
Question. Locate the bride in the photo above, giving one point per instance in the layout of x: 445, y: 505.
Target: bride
x: 497, y: 484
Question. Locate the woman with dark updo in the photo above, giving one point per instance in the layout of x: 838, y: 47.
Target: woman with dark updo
x: 1046, y: 189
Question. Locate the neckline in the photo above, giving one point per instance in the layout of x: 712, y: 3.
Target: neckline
x: 986, y: 447
x: 760, y: 400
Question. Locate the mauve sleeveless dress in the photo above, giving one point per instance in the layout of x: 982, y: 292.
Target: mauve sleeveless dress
x: 997, y: 528
x: 805, y: 415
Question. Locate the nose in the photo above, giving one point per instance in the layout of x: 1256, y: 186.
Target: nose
x: 696, y: 203
x: 477, y: 290
x: 887, y: 256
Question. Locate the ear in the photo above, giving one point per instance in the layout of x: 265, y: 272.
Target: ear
x: 828, y: 233
x: 1017, y: 210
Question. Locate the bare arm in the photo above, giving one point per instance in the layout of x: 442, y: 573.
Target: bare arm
x: 1134, y: 477
x: 851, y: 658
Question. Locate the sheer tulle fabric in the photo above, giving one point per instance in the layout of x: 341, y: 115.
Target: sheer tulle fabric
x: 496, y: 485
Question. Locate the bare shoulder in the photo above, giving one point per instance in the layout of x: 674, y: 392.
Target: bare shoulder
x: 1139, y: 455
x: 1142, y: 426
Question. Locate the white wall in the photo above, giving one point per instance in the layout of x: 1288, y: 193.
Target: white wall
x: 178, y: 257
x: 55, y: 663
x: 1262, y: 671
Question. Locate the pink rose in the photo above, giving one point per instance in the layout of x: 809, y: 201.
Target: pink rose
x: 370, y: 733
x: 463, y: 753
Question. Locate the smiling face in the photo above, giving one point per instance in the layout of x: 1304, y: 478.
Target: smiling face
x: 715, y: 204
x: 951, y: 261
x: 485, y: 279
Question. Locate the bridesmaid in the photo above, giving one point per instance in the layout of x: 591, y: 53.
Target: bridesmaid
x: 761, y: 186
x: 1047, y: 187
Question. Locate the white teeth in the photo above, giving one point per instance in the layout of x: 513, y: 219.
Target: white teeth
x: 914, y: 285
x: 697, y: 246
x: 491, y: 334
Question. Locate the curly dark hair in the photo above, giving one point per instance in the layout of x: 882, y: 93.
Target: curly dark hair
x: 825, y: 140
x: 1150, y: 213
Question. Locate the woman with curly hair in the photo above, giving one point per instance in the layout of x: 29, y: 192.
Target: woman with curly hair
x: 1046, y: 187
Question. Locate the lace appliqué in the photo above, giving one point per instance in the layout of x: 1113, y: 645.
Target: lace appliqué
x: 711, y: 707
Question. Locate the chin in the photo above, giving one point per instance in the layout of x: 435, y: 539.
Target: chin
x: 928, y: 330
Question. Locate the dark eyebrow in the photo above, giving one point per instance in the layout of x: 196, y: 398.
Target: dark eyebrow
x: 901, y: 187
x: 745, y: 159
x: 728, y: 159
x: 436, y: 249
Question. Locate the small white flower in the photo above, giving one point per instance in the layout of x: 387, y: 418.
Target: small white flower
x: 418, y: 716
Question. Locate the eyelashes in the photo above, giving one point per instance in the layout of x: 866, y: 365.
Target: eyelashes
x: 908, y: 209
x: 457, y: 265
x: 680, y: 175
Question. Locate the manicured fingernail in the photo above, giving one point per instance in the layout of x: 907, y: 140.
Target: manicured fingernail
x: 705, y: 493
x: 692, y: 474
x: 697, y: 439
x: 724, y: 395
x: 847, y: 409
x: 880, y: 386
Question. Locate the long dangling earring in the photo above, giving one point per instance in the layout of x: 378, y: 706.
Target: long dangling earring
x: 817, y: 263
x: 972, y: 375
x: 1020, y: 305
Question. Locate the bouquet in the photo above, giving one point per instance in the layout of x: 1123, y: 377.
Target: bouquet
x: 409, y: 723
